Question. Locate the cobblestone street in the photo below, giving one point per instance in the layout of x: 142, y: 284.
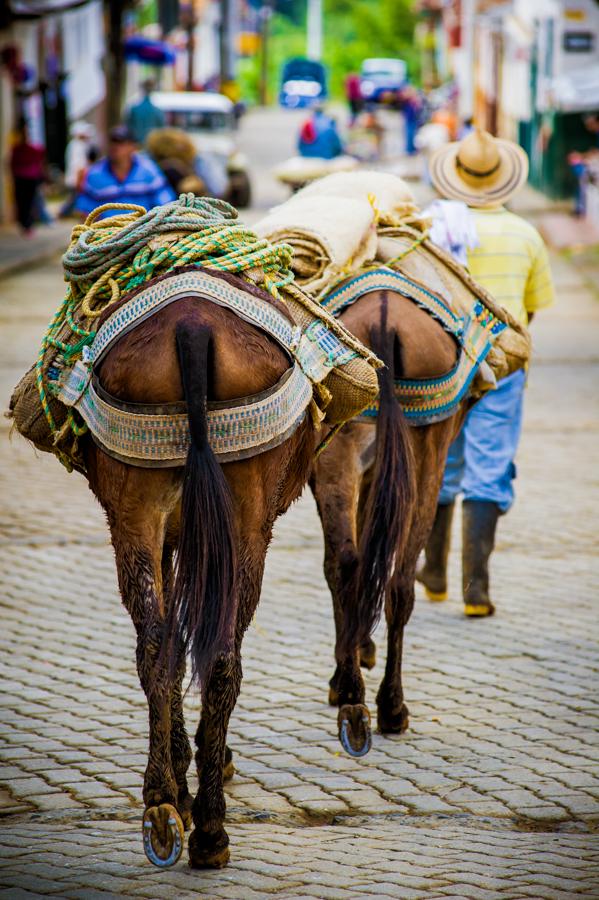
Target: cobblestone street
x: 494, y: 790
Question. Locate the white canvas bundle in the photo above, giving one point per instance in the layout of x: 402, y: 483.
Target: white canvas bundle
x: 330, y: 237
x: 389, y: 194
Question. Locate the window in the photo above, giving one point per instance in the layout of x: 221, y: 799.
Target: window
x: 578, y: 41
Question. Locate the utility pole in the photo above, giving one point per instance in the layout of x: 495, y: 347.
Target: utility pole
x: 314, y: 36
x: 114, y: 62
x: 467, y: 61
x: 168, y: 15
x: 265, y: 15
x: 224, y: 40
x: 188, y: 23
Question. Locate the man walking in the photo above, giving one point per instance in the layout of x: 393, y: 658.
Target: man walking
x: 123, y: 176
x: 511, y: 261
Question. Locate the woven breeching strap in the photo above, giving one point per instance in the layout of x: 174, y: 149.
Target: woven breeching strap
x: 109, y: 257
x: 425, y: 400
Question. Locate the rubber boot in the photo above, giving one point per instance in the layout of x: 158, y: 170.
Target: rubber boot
x: 479, y: 523
x: 433, y: 574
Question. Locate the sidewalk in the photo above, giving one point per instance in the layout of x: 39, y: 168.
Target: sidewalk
x: 18, y: 252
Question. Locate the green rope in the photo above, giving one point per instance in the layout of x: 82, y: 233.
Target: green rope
x: 109, y: 257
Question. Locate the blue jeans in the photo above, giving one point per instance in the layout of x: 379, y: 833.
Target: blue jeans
x: 480, y: 463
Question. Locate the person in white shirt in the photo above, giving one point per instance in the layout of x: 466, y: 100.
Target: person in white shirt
x: 76, y: 162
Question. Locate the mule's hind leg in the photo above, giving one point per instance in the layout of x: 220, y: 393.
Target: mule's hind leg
x: 138, y: 567
x: 209, y: 842
x: 137, y: 505
x: 430, y: 448
x: 367, y: 653
x: 336, y: 486
x: 181, y: 752
x: 392, y: 712
x: 137, y: 579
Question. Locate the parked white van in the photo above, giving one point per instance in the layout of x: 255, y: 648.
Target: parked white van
x: 209, y: 120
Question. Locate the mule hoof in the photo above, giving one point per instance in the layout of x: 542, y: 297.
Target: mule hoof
x: 209, y: 851
x: 368, y: 654
x: 355, y: 733
x: 162, y: 835
x: 393, y: 723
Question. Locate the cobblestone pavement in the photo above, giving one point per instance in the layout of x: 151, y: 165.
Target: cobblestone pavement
x: 493, y: 792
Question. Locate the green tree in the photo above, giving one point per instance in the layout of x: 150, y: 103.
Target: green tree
x: 358, y: 29
x: 353, y: 31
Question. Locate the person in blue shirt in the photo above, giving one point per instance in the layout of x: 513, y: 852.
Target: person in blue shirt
x: 144, y: 116
x: 319, y: 137
x: 123, y: 176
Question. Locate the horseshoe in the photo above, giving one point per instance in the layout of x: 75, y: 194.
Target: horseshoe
x: 344, y: 736
x: 162, y: 853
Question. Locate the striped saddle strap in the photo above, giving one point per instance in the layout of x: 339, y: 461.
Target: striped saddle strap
x: 426, y: 400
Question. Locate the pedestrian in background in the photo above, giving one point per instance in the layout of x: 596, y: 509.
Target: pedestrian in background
x: 577, y: 163
x: 144, y: 116
x: 353, y: 93
x: 76, y: 162
x: 123, y: 176
x: 411, y: 105
x: 28, y: 170
x: 319, y: 137
x: 511, y: 262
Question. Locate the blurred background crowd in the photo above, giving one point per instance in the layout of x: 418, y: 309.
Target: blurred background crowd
x: 140, y: 99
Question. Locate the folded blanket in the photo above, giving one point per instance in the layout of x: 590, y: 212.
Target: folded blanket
x: 389, y: 194
x: 330, y: 237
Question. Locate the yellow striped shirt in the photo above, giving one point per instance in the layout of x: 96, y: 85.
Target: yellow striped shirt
x: 511, y: 262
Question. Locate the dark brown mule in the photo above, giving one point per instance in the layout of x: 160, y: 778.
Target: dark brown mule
x: 376, y: 490
x: 216, y: 522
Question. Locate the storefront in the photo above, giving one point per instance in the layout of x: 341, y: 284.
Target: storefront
x: 564, y: 79
x: 51, y: 54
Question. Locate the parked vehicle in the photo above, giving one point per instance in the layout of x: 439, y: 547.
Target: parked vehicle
x: 381, y: 80
x: 303, y: 83
x: 209, y: 120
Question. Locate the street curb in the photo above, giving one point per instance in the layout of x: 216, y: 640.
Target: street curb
x: 14, y: 268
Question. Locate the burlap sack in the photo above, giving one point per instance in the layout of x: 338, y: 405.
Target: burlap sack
x: 352, y: 386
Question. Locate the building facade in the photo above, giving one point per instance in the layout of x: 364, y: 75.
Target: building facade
x: 51, y: 73
x: 528, y: 70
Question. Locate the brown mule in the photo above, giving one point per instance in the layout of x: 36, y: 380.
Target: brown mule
x: 216, y: 521
x: 376, y: 489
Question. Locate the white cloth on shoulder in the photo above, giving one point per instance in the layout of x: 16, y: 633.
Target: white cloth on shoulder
x: 453, y: 228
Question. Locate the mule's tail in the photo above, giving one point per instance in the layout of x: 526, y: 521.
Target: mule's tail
x: 203, y: 606
x: 391, y: 498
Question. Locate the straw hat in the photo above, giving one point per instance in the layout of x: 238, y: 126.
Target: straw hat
x: 481, y: 170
